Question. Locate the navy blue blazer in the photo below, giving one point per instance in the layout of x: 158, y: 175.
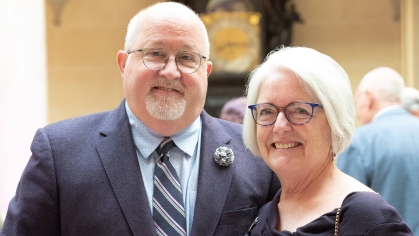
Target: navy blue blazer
x: 83, y: 178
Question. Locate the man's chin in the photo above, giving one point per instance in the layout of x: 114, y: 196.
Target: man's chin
x: 165, y: 108
x: 166, y: 116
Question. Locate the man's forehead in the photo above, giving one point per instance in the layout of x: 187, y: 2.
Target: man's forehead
x: 168, y: 46
x: 169, y: 38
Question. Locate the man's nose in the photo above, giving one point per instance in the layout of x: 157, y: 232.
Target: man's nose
x: 170, y: 70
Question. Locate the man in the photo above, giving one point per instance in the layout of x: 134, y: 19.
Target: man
x: 234, y: 109
x: 410, y: 100
x: 94, y: 175
x: 384, y: 153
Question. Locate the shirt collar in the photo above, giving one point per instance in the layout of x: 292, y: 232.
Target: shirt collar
x: 147, y: 140
x: 385, y: 110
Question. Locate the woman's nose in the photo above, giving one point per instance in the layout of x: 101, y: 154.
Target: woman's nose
x: 282, y: 124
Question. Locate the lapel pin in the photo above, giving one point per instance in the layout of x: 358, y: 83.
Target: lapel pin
x: 224, y: 156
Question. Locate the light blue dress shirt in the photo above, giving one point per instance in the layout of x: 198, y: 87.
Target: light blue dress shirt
x: 184, y: 158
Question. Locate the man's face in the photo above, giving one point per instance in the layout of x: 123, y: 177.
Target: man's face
x: 167, y: 94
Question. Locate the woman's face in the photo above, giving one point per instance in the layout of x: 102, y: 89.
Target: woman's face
x: 286, y: 147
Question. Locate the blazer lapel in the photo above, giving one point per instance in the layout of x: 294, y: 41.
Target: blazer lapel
x: 214, y: 180
x: 118, y: 154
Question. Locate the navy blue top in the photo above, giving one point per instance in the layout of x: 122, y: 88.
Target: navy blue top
x: 362, y: 213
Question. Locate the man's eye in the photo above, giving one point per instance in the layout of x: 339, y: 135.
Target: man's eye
x: 153, y: 53
x: 186, y: 57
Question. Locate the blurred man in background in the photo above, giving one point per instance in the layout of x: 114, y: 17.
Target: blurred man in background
x: 384, y: 153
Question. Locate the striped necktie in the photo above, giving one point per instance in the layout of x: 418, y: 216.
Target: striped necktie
x: 168, y: 211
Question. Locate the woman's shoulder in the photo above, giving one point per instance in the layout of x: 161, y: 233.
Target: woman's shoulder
x: 369, y: 206
x: 367, y: 213
x: 364, y: 199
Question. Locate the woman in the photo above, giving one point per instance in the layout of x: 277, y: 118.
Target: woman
x: 301, y: 117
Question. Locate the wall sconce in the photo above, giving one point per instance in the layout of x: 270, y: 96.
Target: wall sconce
x: 58, y: 6
x: 396, y: 4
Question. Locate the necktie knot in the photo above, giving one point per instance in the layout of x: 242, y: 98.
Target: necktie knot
x: 164, y: 148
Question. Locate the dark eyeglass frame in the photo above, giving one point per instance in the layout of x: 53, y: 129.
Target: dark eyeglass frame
x: 283, y: 109
x: 142, y: 50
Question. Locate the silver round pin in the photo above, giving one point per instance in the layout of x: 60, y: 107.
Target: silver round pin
x: 224, y: 156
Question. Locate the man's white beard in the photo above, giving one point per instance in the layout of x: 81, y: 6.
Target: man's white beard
x: 165, y: 108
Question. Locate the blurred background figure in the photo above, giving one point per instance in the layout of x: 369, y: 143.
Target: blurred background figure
x: 234, y: 109
x: 384, y: 153
x: 410, y: 100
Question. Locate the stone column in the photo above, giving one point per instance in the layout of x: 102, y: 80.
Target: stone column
x: 410, y: 39
x: 23, y: 88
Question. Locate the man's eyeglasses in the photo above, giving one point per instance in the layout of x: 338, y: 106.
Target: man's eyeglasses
x: 157, y: 58
x: 297, y: 113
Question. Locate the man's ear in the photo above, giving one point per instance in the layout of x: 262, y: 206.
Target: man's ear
x: 121, y: 59
x: 370, y: 98
x: 209, y: 68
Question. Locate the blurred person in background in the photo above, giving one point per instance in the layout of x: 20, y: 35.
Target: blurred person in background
x: 110, y: 173
x: 410, y: 100
x: 384, y: 153
x: 302, y: 116
x: 233, y: 110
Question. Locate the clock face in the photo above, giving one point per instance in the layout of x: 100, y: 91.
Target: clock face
x: 235, y: 40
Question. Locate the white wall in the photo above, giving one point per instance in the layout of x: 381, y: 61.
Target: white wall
x: 23, y: 88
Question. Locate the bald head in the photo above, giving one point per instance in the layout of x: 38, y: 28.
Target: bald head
x: 379, y: 88
x: 386, y: 84
x: 170, y: 13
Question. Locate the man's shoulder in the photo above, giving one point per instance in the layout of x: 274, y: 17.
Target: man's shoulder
x: 79, y: 121
x: 401, y: 121
x: 67, y: 133
x: 367, y: 130
x: 90, y: 121
x: 377, y: 126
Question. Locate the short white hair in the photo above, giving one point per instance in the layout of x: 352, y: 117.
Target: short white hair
x: 169, y: 8
x: 323, y: 78
x: 386, y: 83
x: 410, y: 99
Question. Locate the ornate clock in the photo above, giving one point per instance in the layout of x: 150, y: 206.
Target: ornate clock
x: 235, y: 39
x: 241, y: 33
